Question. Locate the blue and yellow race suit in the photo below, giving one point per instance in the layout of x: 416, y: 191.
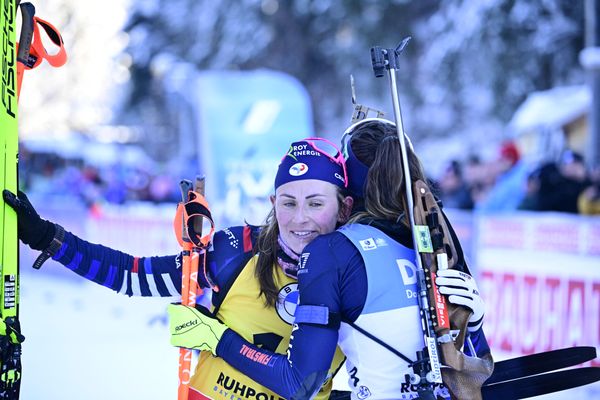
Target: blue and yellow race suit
x: 231, y: 264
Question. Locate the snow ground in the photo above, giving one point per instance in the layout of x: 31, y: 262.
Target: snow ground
x: 86, y: 342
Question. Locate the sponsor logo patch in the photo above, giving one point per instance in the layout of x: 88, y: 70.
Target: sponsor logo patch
x: 368, y: 244
x: 233, y: 241
x: 287, y: 302
x: 228, y: 387
x: 298, y: 169
x: 380, y: 242
x: 363, y: 393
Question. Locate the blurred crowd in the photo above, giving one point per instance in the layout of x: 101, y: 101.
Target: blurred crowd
x: 48, y: 174
x: 510, y: 183
x: 506, y: 183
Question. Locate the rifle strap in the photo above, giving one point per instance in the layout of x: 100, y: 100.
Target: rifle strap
x: 380, y: 342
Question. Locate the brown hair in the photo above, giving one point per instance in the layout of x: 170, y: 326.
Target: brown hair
x: 267, y: 247
x: 376, y: 145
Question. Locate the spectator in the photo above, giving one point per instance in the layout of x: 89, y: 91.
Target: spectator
x: 477, y: 178
x: 510, y: 175
x: 588, y: 202
x: 558, y: 184
x: 453, y: 190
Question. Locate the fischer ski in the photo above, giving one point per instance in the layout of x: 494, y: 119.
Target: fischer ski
x: 16, y: 58
x: 10, y: 337
x: 539, y: 363
x: 537, y: 385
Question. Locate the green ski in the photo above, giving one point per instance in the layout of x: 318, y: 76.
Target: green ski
x: 10, y: 338
x: 17, y: 57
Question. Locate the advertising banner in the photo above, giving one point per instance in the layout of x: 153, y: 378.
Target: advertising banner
x: 540, y: 275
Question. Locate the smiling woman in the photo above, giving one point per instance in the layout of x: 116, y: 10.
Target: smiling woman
x: 305, y: 205
x: 310, y: 199
x: 305, y: 209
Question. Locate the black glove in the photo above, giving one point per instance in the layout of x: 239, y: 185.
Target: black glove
x: 33, y: 230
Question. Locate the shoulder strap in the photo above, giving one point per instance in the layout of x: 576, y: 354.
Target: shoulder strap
x: 236, y: 264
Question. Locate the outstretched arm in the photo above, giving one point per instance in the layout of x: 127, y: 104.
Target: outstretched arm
x: 146, y: 276
x: 121, y: 272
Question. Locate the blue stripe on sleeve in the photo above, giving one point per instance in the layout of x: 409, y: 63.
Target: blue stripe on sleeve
x: 61, y: 252
x: 110, y: 277
x: 75, y: 262
x: 93, y: 271
x: 140, y: 277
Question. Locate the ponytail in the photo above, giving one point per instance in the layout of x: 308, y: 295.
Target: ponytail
x: 377, y: 146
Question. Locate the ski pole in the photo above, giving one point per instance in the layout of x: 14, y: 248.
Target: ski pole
x: 31, y: 51
x: 191, y: 215
x: 25, y: 40
x: 185, y: 355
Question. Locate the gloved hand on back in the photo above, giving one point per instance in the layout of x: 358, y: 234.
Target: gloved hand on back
x: 194, y: 328
x: 461, y: 289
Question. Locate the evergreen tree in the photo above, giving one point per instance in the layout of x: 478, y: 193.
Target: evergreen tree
x: 467, y: 68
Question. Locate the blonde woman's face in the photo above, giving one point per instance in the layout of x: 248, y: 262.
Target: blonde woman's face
x: 304, y: 210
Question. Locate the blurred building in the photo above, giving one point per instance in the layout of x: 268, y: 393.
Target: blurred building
x: 549, y: 121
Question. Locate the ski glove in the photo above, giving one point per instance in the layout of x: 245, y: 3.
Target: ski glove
x: 461, y: 289
x: 194, y: 328
x: 33, y: 230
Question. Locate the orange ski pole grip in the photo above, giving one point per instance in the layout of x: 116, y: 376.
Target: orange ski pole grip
x: 30, y: 49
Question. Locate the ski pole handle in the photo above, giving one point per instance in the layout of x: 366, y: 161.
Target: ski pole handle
x: 25, y: 40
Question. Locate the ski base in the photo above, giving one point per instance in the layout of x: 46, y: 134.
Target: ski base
x: 539, y: 363
x: 538, y: 385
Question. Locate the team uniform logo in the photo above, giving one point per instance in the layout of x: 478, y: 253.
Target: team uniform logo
x: 233, y: 241
x: 363, y: 393
x: 368, y: 244
x: 298, y: 169
x: 288, y: 300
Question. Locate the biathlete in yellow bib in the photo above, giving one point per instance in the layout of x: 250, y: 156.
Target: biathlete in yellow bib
x: 255, y: 268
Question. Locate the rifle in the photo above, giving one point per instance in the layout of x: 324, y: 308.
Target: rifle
x: 444, y: 325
